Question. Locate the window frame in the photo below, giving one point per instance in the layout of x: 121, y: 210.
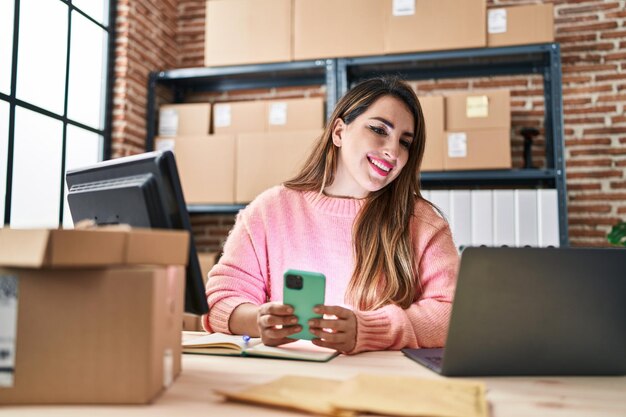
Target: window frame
x: 12, y: 101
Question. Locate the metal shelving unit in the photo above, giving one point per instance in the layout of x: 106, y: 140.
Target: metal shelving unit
x: 339, y: 74
x: 242, y: 77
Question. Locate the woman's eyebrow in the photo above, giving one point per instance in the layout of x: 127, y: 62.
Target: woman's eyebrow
x: 388, y: 123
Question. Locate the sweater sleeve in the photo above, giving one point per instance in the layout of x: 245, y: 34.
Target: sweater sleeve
x: 425, y: 322
x: 238, y: 278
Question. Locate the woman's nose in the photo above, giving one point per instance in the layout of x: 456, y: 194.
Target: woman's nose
x: 392, y: 148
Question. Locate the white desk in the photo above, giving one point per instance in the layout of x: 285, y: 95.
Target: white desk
x: 191, y: 394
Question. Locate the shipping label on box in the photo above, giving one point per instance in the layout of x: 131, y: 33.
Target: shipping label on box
x: 489, y: 109
x: 222, y: 115
x: 478, y: 149
x: 168, y: 122
x: 278, y: 113
x: 8, y: 328
x: 457, y: 145
x: 496, y: 21
x: 403, y: 7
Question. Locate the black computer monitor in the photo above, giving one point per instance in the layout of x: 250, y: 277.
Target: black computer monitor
x: 142, y: 191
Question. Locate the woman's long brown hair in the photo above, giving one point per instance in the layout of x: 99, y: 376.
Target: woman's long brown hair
x: 384, y: 270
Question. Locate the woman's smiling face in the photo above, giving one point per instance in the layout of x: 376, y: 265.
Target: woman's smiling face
x: 373, y: 149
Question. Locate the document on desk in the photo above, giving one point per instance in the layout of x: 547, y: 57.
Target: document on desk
x: 378, y: 394
x: 236, y: 345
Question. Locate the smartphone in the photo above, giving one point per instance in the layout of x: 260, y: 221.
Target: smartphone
x: 304, y: 290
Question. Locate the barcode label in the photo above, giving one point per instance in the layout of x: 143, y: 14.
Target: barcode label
x: 8, y: 328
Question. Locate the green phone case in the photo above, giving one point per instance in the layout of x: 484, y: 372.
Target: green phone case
x: 304, y: 299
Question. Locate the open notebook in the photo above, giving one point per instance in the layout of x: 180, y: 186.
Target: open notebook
x: 233, y: 345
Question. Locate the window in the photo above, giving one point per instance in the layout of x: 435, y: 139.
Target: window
x: 54, y: 87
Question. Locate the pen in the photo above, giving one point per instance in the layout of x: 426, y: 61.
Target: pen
x: 246, y: 339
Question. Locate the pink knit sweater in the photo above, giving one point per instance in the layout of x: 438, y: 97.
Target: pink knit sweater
x: 283, y: 229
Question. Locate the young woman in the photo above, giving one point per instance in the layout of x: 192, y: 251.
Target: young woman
x: 355, y: 214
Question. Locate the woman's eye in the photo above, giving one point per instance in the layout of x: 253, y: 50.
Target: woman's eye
x: 378, y: 130
x: 405, y: 143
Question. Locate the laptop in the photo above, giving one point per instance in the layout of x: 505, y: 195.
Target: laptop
x: 535, y: 311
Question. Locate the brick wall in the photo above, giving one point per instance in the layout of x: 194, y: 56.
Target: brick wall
x: 592, y: 34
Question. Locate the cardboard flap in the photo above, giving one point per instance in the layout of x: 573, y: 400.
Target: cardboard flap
x: 157, y: 247
x: 95, y: 247
x: 23, y: 248
x: 74, y: 248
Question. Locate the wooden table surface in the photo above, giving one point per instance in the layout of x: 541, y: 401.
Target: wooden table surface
x: 192, y: 395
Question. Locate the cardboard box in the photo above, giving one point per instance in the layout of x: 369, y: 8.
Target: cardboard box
x: 478, y: 110
x: 240, y: 117
x: 432, y: 25
x: 519, y: 25
x: 433, y: 109
x: 184, y: 119
x: 477, y: 149
x: 247, y: 32
x: 192, y: 322
x: 98, y: 314
x: 206, y: 166
x: 268, y: 159
x: 337, y: 28
x: 295, y: 114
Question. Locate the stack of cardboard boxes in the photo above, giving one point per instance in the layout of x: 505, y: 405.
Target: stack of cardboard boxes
x: 254, y: 145
x: 260, y: 31
x: 90, y: 316
x: 466, y: 131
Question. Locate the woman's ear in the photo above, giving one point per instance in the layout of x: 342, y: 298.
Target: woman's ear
x: 337, y: 132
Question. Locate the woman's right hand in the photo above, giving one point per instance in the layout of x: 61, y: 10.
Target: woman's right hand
x: 276, y: 322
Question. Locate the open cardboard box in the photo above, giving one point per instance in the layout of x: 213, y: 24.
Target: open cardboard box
x: 98, y: 314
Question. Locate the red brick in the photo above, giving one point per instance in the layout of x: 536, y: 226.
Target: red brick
x: 610, y: 77
x: 574, y: 232
x: 618, y: 119
x: 618, y: 184
x: 607, y: 173
x: 587, y: 90
x: 576, y: 79
x: 589, y: 208
x: 585, y: 142
x: 568, y: 38
x: 607, y: 97
x: 615, y: 57
x: 589, y: 163
x: 590, y: 8
x: 594, y: 109
x: 584, y: 120
x: 595, y: 221
x: 583, y: 186
x: 606, y: 130
x: 588, y: 47
x: 589, y: 68
x: 599, y: 197
x: 621, y: 210
x: 598, y: 151
x: 567, y: 101
x: 616, y: 14
x: 584, y: 28
x: 613, y: 35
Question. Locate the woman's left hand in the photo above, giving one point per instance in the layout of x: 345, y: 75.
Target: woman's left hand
x: 338, y: 333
